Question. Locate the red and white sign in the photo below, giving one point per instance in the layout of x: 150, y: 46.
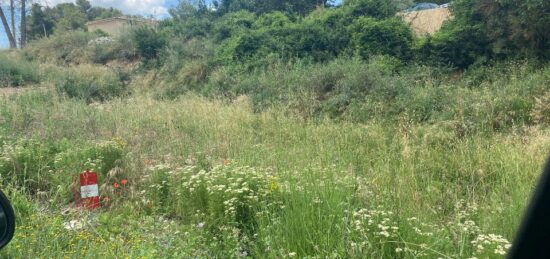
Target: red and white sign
x: 89, y: 190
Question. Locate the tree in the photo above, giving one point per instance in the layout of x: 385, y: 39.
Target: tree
x: 301, y: 7
x: 95, y: 13
x: 84, y: 5
x: 70, y: 16
x: 189, y: 9
x: 23, y: 23
x: 11, y: 39
x: 39, y: 23
x: 374, y: 8
x: 149, y: 44
x: 191, y: 19
x: 12, y: 18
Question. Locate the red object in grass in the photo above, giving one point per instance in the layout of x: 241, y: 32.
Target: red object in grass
x: 116, y: 185
x: 123, y: 181
x: 89, y: 190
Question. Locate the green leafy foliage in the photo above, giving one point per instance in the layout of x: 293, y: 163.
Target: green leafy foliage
x: 295, y: 41
x: 234, y: 24
x: 301, y: 7
x: 373, y: 8
x: 513, y: 28
x: 149, y: 44
x: 385, y: 37
x: 455, y: 45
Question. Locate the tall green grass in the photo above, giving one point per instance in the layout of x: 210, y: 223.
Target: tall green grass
x: 489, y: 99
x: 90, y: 83
x: 15, y: 72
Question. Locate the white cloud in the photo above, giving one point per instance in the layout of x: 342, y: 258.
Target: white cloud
x: 156, y: 8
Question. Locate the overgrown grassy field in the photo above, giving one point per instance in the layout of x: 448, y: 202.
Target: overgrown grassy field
x: 276, y: 129
x: 213, y: 178
x: 347, y: 158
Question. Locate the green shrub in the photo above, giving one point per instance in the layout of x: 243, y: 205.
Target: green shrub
x: 293, y: 41
x: 104, y: 49
x: 456, y: 44
x: 149, y: 44
x: 89, y: 83
x: 372, y: 37
x: 233, y: 24
x: 307, y: 89
x: 271, y: 20
x: 62, y: 49
x: 180, y: 52
x: 372, y: 8
x: 336, y: 22
x: 17, y: 72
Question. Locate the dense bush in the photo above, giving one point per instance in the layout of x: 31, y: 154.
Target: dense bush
x: 456, y: 44
x: 514, y: 29
x: 17, y: 72
x: 149, y: 44
x: 62, y: 49
x: 307, y: 89
x: 293, y: 41
x: 89, y: 83
x: 373, y: 8
x: 270, y: 20
x: 382, y: 37
x: 233, y: 24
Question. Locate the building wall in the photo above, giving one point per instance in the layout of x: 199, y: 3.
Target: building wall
x: 426, y: 21
x: 117, y: 26
x: 113, y: 28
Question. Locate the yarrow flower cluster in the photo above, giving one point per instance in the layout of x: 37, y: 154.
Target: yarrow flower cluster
x: 491, y: 243
x: 235, y: 187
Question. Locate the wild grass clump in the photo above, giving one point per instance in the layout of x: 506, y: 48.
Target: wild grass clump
x: 90, y: 83
x: 45, y: 169
x: 16, y: 72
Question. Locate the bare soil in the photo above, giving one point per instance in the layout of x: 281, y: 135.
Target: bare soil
x: 426, y: 21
